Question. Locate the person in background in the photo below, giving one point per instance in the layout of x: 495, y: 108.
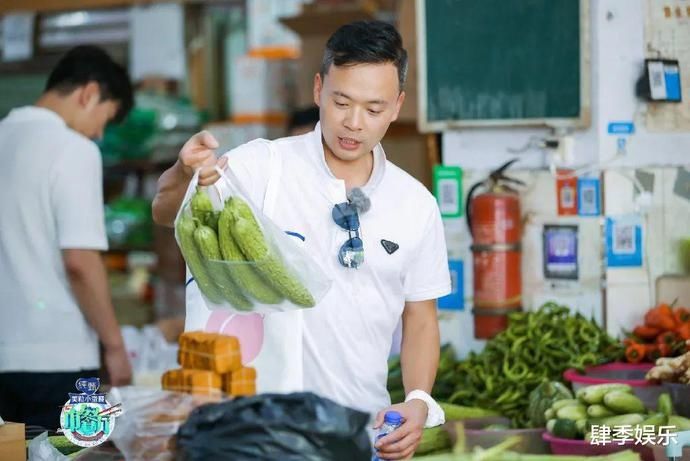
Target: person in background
x: 303, y: 121
x: 55, y: 304
x: 402, y: 267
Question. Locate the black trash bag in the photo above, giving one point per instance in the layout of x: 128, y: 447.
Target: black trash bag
x: 300, y: 426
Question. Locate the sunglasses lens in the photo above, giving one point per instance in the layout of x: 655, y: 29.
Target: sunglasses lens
x: 351, y: 254
x: 345, y: 216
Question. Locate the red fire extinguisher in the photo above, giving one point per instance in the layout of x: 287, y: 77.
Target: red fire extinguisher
x: 493, y: 218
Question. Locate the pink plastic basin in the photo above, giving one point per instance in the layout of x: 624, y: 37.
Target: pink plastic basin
x: 561, y: 446
x: 618, y: 372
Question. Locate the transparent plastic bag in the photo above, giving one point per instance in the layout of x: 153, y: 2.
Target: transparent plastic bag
x: 150, y: 419
x: 239, y: 258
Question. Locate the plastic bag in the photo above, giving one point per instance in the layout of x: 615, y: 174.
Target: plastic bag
x: 238, y: 257
x: 150, y: 419
x: 300, y: 426
x: 149, y: 353
x: 40, y: 449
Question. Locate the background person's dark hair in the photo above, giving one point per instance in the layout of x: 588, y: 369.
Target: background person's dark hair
x: 308, y: 116
x: 366, y: 42
x: 85, y: 64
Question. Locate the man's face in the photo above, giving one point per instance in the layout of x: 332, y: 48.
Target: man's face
x: 357, y: 104
x: 93, y: 114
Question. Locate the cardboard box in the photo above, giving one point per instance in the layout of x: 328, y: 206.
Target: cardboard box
x: 262, y: 89
x: 12, y: 444
x: 314, y: 26
x: 265, y: 34
x: 408, y: 31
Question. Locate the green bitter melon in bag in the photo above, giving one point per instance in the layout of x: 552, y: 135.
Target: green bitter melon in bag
x: 251, y: 240
x: 207, y: 242
x: 245, y: 275
x: 185, y: 232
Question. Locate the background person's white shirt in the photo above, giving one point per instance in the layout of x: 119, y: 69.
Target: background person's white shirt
x: 347, y: 337
x: 50, y: 199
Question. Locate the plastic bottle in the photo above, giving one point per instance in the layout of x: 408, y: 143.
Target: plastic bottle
x: 391, y: 421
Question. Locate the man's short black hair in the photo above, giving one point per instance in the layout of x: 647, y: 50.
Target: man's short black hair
x: 84, y: 64
x: 366, y: 42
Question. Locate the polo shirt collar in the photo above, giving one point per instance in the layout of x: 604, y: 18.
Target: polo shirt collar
x: 376, y: 174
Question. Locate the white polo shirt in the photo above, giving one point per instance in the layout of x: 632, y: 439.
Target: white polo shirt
x: 51, y: 199
x: 347, y: 336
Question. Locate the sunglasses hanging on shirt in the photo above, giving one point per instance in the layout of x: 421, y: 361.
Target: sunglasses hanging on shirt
x: 346, y: 215
x: 351, y: 253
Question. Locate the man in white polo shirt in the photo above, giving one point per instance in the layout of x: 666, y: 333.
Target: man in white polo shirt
x: 374, y: 230
x: 54, y: 299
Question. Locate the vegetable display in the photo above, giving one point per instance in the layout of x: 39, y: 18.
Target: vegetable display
x: 537, y: 346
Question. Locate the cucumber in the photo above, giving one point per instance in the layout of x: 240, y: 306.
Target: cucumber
x: 558, y: 404
x: 433, y: 439
x: 185, y: 231
x: 630, y: 419
x: 623, y: 402
x: 664, y: 404
x: 459, y: 412
x: 549, y: 425
x: 655, y: 419
x: 595, y: 394
x: 572, y: 412
x: 581, y: 425
x: 599, y: 411
x: 681, y: 423
x: 207, y: 242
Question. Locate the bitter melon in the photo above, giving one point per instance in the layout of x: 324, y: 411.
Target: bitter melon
x: 207, y: 242
x: 185, y: 231
x: 202, y: 209
x: 245, y: 276
x: 250, y: 239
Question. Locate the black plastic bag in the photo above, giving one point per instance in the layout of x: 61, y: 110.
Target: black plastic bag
x: 299, y: 426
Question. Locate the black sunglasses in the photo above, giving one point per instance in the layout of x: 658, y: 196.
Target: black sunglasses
x: 351, y: 253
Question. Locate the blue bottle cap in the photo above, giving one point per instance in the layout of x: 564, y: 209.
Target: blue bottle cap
x: 392, y: 417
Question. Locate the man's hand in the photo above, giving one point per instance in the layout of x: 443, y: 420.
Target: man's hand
x: 118, y: 366
x: 402, y: 442
x: 198, y: 153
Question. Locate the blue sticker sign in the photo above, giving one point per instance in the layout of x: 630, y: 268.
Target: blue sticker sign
x: 456, y: 299
x: 624, y: 241
x: 621, y: 128
x: 588, y: 197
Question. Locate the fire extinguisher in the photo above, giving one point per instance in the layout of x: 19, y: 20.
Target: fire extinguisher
x: 493, y: 218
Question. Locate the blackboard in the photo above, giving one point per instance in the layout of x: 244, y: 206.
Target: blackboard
x: 503, y: 62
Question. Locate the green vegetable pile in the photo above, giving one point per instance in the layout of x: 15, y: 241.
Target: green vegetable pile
x: 230, y: 258
x: 537, y: 346
x: 609, y: 405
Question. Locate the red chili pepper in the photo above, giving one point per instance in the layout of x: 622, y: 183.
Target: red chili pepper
x: 681, y: 314
x: 646, y: 332
x: 666, y: 350
x: 667, y: 337
x: 635, y: 352
x: 660, y: 317
x: 653, y: 352
x: 684, y: 331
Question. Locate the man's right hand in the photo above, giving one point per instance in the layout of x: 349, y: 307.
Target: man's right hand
x: 118, y: 366
x: 199, y: 153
